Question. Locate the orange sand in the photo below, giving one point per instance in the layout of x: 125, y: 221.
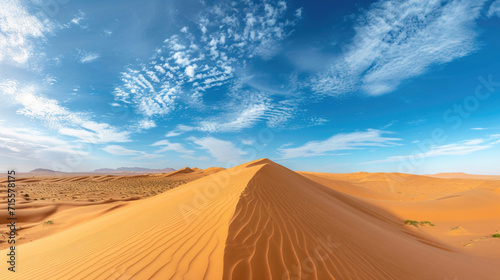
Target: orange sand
x: 261, y: 220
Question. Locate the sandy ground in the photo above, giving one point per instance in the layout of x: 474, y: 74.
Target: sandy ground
x: 45, y: 205
x: 258, y: 220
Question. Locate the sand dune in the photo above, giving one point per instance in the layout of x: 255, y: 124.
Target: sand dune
x: 466, y: 212
x: 185, y: 170
x: 461, y: 175
x: 283, y: 218
x: 261, y: 220
x: 43, y: 199
x: 393, y: 186
x: 212, y: 170
x: 179, y: 234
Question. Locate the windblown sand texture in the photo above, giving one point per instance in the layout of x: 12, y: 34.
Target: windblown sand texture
x: 261, y: 220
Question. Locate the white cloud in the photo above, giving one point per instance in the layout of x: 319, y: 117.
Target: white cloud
x: 396, y: 40
x: 195, y: 158
x: 31, y: 136
x: 173, y: 133
x: 340, y: 142
x: 190, y: 70
x: 31, y: 148
x: 120, y: 151
x: 92, y: 132
x: 315, y: 121
x: 190, y: 63
x: 67, y: 122
x: 147, y: 156
x: 19, y: 32
x: 149, y: 97
x: 456, y: 149
x: 77, y: 20
x: 248, y: 142
x: 245, y: 110
x: 478, y: 128
x: 50, y: 80
x: 87, y: 57
x: 298, y: 13
x: 169, y: 146
x: 416, y: 122
x: 181, y: 129
x: 494, y: 9
x: 236, y: 121
x: 222, y: 151
x: 107, y: 32
x: 146, y: 124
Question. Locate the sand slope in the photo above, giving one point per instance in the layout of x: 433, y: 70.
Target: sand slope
x: 465, y: 212
x: 254, y: 221
x: 176, y: 235
x: 288, y: 227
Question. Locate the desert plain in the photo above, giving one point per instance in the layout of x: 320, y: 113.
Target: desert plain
x: 258, y: 220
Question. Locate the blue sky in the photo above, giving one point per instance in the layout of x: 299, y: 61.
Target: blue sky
x: 330, y: 86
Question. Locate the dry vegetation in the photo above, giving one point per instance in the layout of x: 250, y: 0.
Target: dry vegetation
x: 93, y: 190
x: 41, y: 202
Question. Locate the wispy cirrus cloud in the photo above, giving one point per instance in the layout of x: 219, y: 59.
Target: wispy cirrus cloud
x: 146, y: 156
x: 494, y: 9
x: 170, y: 146
x: 205, y: 55
x: 23, y: 33
x: 122, y: 151
x: 20, y: 32
x: 87, y: 56
x: 173, y: 133
x: 56, y: 116
x: 195, y: 158
x: 455, y: 149
x: 396, y: 40
x: 245, y: 110
x: 32, y: 148
x: 340, y: 142
x: 246, y: 117
x: 19, y: 139
x: 223, y: 151
x: 77, y: 20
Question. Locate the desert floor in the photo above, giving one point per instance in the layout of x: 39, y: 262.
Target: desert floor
x: 258, y: 220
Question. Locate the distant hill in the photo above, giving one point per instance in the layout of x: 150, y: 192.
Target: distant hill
x: 133, y: 169
x: 43, y: 170
x: 105, y: 170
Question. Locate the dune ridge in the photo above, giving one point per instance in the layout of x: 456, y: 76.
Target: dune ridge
x: 258, y: 220
x: 289, y: 227
x: 152, y: 238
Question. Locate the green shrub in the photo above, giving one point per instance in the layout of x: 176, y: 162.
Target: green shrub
x: 417, y: 223
x: 411, y: 222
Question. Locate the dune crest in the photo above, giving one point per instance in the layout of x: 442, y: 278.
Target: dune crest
x: 258, y: 220
x: 289, y: 227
